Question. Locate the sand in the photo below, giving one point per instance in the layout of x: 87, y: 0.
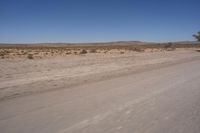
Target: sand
x: 22, y: 76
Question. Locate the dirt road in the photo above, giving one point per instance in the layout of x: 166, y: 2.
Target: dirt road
x: 163, y: 99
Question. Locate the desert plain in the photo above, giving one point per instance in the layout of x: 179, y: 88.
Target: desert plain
x: 114, y: 88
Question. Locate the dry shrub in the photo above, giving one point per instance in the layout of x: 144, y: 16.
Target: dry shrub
x: 68, y: 53
x: 17, y: 53
x: 137, y: 49
x: 198, y: 50
x: 2, y: 53
x: 122, y: 52
x: 30, y: 56
x: 83, y: 51
x: 105, y: 52
x: 169, y: 47
x: 6, y: 51
x: 24, y: 53
x: 93, y: 51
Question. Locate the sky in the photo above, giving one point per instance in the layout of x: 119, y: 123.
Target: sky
x: 39, y: 21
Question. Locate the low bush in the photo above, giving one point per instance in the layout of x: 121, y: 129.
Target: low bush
x: 93, y: 51
x: 169, y: 47
x: 30, y: 56
x: 137, y: 49
x: 83, y: 51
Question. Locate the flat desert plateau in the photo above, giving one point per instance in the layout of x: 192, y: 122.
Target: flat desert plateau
x: 99, y: 89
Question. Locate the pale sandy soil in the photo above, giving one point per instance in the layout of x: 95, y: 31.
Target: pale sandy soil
x: 22, y: 76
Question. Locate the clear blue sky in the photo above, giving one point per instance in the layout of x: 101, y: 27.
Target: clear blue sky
x: 23, y: 21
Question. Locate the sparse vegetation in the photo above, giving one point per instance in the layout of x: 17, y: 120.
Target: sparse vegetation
x: 35, y: 52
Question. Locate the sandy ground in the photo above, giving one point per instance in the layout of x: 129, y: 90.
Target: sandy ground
x: 149, y: 92
x: 19, y: 77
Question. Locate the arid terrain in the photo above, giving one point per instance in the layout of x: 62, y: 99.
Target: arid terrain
x: 85, y: 89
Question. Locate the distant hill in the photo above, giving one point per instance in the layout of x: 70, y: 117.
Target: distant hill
x: 97, y: 43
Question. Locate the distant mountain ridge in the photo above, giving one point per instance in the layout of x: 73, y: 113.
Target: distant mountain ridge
x: 97, y: 43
